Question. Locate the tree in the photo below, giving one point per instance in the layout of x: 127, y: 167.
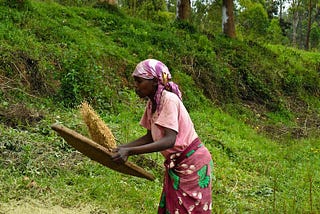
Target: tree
x: 295, y: 10
x: 153, y: 10
x: 183, y: 9
x: 110, y: 2
x: 274, y: 32
x: 272, y: 8
x: 171, y: 5
x: 254, y: 22
x: 309, y: 24
x: 228, y: 27
x: 315, y: 36
x: 206, y: 15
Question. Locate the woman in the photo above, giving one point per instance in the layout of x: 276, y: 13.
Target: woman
x: 187, y: 182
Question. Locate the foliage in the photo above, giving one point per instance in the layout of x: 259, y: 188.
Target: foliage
x: 150, y: 9
x: 296, y: 76
x: 254, y: 22
x: 206, y: 15
x: 76, y: 69
x: 251, y: 171
x: 255, y: 106
x: 314, y: 36
x: 274, y: 33
x: 76, y: 2
x: 18, y: 4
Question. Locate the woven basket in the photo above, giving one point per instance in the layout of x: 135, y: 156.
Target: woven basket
x: 99, y: 153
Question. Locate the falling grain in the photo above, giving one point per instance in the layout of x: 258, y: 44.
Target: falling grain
x: 99, y: 131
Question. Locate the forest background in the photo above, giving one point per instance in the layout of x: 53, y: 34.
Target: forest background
x: 253, y: 95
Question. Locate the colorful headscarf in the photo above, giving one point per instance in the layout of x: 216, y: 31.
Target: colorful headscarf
x: 152, y: 68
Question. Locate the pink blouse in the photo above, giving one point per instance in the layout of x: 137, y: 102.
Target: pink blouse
x: 172, y: 115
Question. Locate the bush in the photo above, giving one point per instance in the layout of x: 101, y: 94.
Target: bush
x: 274, y: 32
x: 18, y: 4
x: 315, y: 36
x: 254, y: 22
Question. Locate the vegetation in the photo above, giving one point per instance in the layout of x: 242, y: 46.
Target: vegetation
x: 255, y: 106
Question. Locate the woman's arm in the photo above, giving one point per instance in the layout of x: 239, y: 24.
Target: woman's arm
x: 147, y: 138
x: 164, y: 143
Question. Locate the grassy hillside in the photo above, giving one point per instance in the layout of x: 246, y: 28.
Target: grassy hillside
x: 256, y: 107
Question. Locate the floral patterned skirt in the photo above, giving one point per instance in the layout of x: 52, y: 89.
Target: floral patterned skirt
x: 187, y: 182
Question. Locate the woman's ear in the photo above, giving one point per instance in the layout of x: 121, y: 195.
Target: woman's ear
x: 155, y: 81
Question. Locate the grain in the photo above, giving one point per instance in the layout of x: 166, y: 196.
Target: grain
x: 99, y: 131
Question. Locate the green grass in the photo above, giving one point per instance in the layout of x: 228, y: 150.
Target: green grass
x: 244, y: 98
x: 253, y: 173
x: 256, y: 174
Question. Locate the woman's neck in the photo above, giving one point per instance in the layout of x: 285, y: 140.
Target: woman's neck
x: 153, y: 105
x: 153, y: 99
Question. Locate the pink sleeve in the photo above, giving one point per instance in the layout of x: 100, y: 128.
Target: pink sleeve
x: 169, y: 114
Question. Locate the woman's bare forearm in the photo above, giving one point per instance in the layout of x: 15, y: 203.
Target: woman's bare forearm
x: 164, y: 143
x: 147, y: 138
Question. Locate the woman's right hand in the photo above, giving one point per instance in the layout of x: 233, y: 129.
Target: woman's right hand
x: 120, y: 155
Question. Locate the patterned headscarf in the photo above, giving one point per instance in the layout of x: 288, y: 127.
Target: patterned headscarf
x: 152, y: 68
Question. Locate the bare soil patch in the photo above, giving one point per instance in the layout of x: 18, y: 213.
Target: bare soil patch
x: 36, y: 207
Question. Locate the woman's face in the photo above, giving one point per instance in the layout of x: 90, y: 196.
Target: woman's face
x: 145, y: 87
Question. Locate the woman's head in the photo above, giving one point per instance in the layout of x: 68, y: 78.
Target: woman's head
x: 150, y: 69
x: 146, y: 87
x: 157, y: 72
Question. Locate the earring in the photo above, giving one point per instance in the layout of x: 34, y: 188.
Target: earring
x: 164, y: 78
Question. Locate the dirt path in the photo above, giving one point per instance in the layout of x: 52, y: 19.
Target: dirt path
x: 35, y: 207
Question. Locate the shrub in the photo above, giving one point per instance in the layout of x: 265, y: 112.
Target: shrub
x: 254, y: 21
x: 18, y: 4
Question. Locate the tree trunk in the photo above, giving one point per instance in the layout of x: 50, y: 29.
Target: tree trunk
x: 295, y: 21
x: 183, y: 9
x: 228, y: 27
x: 309, y: 26
x: 280, y: 9
x: 111, y: 2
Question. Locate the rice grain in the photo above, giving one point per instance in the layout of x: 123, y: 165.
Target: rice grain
x: 99, y: 131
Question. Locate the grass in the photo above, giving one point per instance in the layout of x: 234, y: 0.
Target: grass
x: 253, y: 173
